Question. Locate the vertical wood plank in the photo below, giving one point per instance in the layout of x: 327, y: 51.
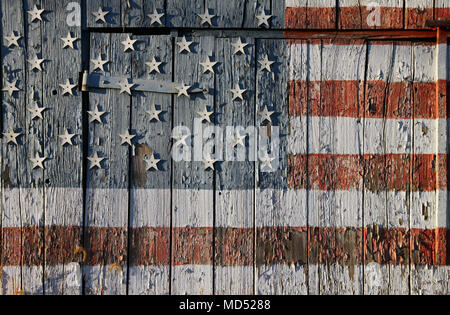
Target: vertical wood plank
x: 63, y: 190
x: 150, y: 195
x: 279, y: 14
x: 134, y: 12
x: 280, y: 212
x: 32, y: 192
x: 14, y: 158
x: 442, y: 9
x: 418, y: 12
x: 107, y: 189
x: 252, y: 9
x: 234, y: 239
x: 389, y: 64
x: 193, y: 188
x: 113, y: 18
x: 304, y: 14
x: 184, y: 13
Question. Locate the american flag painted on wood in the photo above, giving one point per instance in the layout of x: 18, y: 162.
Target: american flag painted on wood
x: 358, y: 204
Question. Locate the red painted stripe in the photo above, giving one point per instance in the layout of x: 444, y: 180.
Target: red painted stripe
x: 234, y: 246
x: 357, y: 17
x: 417, y: 18
x: 396, y: 100
x: 310, y: 18
x: 442, y: 13
x: 378, y: 172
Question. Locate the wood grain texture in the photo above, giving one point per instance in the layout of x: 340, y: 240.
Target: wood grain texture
x: 107, y: 189
x: 235, y: 179
x: 134, y: 12
x: 193, y: 187
x: 387, y: 208
x: 150, y: 195
x: 64, y: 190
x: 273, y: 200
x: 14, y: 159
x: 113, y: 19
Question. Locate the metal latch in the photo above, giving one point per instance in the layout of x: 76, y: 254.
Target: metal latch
x: 99, y: 81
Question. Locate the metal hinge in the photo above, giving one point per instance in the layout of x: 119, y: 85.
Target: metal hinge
x: 99, y: 81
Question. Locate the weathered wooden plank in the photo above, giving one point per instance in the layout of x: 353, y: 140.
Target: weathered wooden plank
x: 276, y: 205
x: 63, y: 190
x: 107, y: 188
x: 113, y: 18
x: 305, y: 14
x: 417, y: 12
x: 252, y: 9
x: 193, y: 189
x: 388, y: 64
x: 235, y: 182
x: 184, y: 13
x: 14, y: 173
x: 442, y: 9
x: 150, y: 195
x: 135, y: 12
x: 366, y: 14
x: 279, y: 13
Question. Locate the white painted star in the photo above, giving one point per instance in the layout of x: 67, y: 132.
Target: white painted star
x: 266, y: 63
x: 36, y: 14
x: 154, y: 113
x: 266, y: 162
x: 126, y: 138
x: 154, y: 65
x: 209, y: 164
x: 180, y: 139
x: 152, y: 163
x: 126, y: 87
x: 184, y: 45
x: 239, y: 47
x: 206, y: 17
x: 67, y: 87
x: 11, y: 87
x: 99, y: 63
x: 266, y: 115
x: 100, y: 15
x: 208, y: 65
x: 95, y: 161
x: 183, y: 90
x: 156, y: 17
x: 128, y: 44
x: 11, y: 137
x: 67, y: 138
x: 205, y: 115
x: 239, y: 139
x: 13, y: 40
x: 238, y: 92
x: 38, y: 161
x: 36, y: 63
x: 263, y: 19
x: 36, y: 111
x: 96, y: 115
x: 69, y: 40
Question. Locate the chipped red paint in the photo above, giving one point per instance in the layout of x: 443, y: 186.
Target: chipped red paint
x: 379, y: 172
x: 357, y: 17
x: 442, y: 13
x: 416, y: 18
x: 234, y: 246
x: 310, y: 18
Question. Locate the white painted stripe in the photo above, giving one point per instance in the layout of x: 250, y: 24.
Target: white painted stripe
x: 386, y: 279
x: 63, y: 206
x: 150, y: 207
x: 443, y: 4
x: 344, y: 135
x: 234, y: 208
x: 441, y: 64
x: 233, y: 280
x: 347, y: 63
x: 419, y: 4
x: 430, y: 280
x: 107, y: 207
x: 365, y: 3
x: 149, y: 280
x: 282, y: 280
x: 192, y: 280
x: 63, y: 279
x: 343, y: 208
x: 99, y: 279
x: 193, y: 208
x: 31, y: 203
x: 310, y: 3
